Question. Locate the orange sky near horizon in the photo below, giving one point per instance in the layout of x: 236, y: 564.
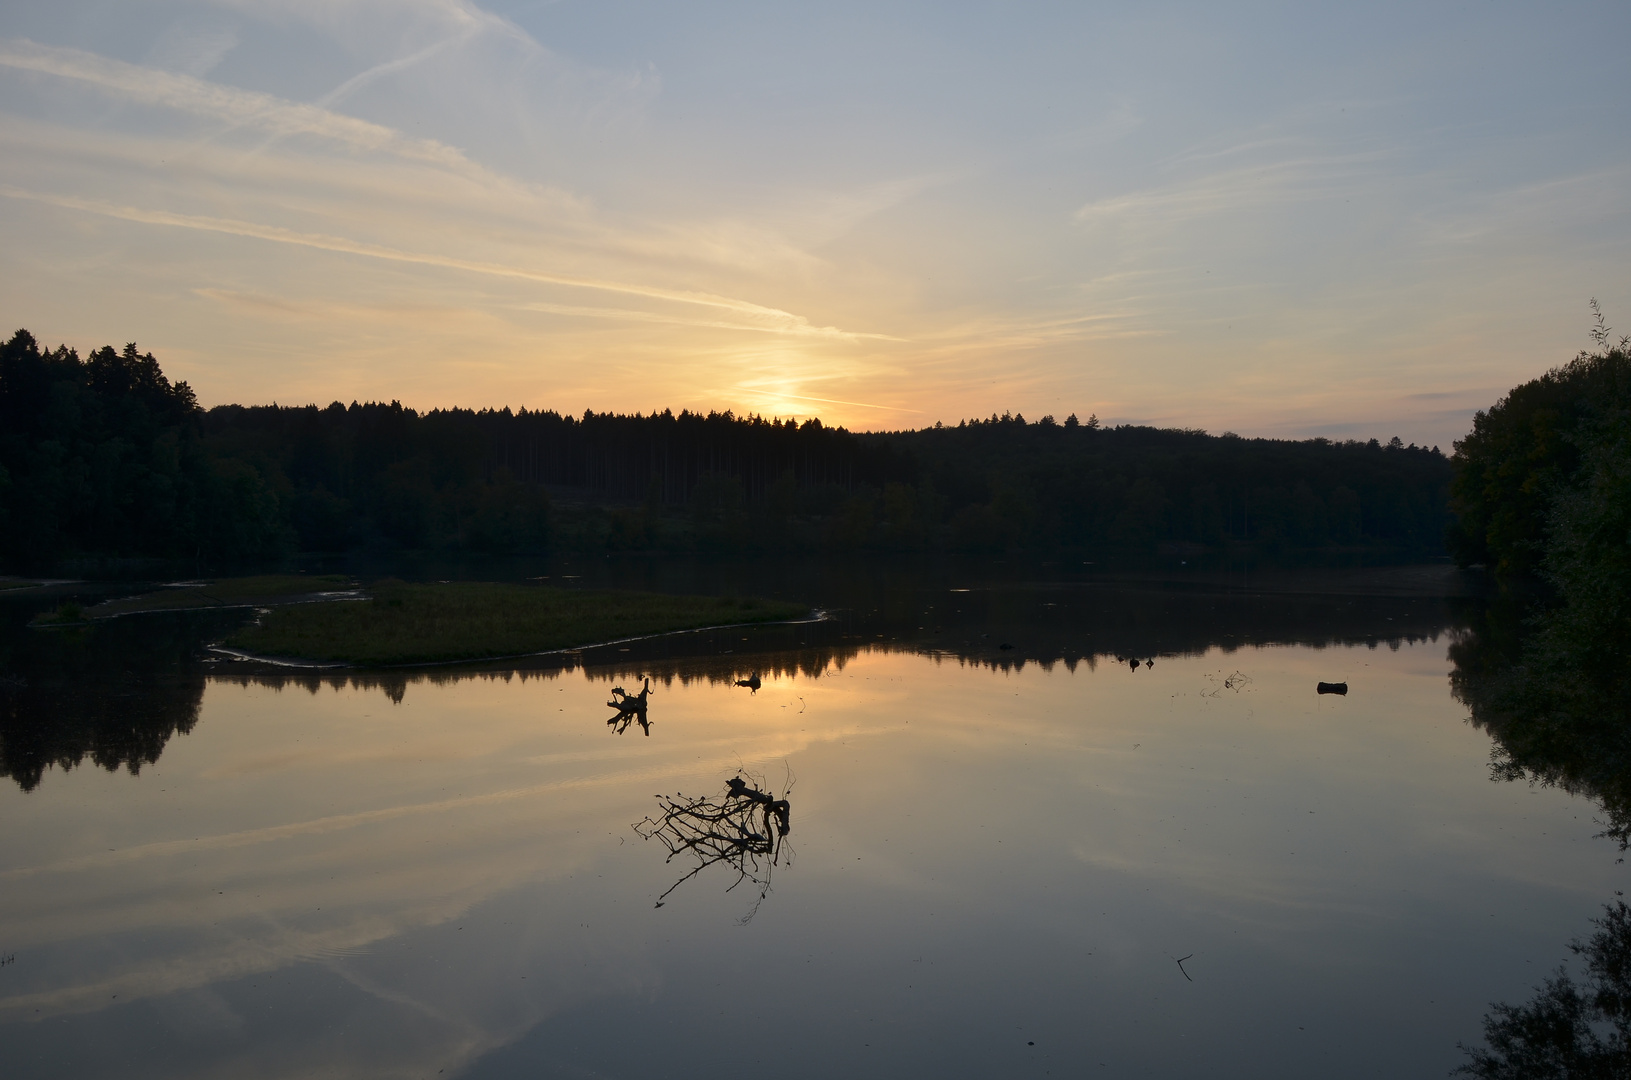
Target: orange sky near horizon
x: 1301, y: 222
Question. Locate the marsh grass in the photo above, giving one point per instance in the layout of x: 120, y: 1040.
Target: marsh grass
x: 67, y: 613
x: 415, y: 624
x: 226, y: 592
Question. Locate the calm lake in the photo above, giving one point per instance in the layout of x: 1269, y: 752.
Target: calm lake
x: 1013, y: 803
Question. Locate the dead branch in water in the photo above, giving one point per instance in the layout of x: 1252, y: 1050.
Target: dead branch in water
x: 631, y: 708
x: 745, y: 828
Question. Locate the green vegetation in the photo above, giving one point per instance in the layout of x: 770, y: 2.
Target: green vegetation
x: 1568, y: 1030
x: 67, y: 613
x: 225, y: 592
x: 1533, y: 453
x: 1543, y: 488
x: 105, y: 457
x: 408, y: 624
x: 1002, y: 483
x: 1543, y: 491
x: 379, y: 474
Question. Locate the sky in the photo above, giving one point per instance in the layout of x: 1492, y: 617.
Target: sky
x: 1288, y: 220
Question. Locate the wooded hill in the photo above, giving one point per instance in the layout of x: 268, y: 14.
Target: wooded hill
x: 105, y: 456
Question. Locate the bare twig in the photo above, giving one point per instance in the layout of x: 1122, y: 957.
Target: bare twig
x: 745, y: 829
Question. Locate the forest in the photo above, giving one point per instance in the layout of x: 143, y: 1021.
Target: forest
x: 104, y: 456
x: 1542, y: 494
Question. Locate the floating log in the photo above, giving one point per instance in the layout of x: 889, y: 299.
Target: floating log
x: 1332, y: 688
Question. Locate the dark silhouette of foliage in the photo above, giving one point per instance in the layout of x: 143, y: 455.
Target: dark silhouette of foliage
x: 1547, y: 669
x: 1543, y: 488
x: 1567, y: 1031
x: 375, y: 473
x: 1527, y: 448
x: 104, y: 456
x: 1003, y: 483
x: 114, y: 692
x: 1556, y: 721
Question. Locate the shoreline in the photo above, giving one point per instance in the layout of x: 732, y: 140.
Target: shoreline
x: 818, y: 615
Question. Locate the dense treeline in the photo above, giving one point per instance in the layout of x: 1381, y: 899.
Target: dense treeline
x: 1533, y: 454
x: 376, y: 473
x: 455, y: 476
x: 105, y: 456
x: 1543, y: 487
x: 1542, y: 493
x: 1003, y: 482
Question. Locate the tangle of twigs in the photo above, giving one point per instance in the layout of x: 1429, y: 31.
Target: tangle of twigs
x: 744, y: 828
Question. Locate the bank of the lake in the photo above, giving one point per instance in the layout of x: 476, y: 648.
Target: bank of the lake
x: 402, y: 623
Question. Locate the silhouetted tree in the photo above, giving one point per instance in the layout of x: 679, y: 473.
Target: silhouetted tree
x: 1527, y: 448
x: 1567, y: 1031
x: 104, y: 456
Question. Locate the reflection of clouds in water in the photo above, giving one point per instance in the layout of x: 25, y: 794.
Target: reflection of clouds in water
x: 463, y: 847
x: 327, y: 887
x: 199, y: 1014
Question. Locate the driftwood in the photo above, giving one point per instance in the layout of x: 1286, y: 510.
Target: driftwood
x: 631, y: 708
x: 1332, y: 688
x: 744, y: 828
x: 737, y: 788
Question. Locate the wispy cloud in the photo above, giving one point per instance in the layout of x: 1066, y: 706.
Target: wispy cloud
x: 1308, y: 178
x: 248, y: 108
x: 775, y: 319
x: 781, y: 394
x: 634, y: 315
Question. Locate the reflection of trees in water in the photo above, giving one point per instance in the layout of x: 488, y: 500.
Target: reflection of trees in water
x: 702, y: 670
x: 1556, y: 721
x: 114, y: 692
x: 1551, y: 687
x: 782, y: 665
x: 745, y: 829
x: 1568, y: 1030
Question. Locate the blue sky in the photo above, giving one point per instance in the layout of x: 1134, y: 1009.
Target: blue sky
x: 1276, y: 219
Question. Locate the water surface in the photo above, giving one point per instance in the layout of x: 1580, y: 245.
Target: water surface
x: 997, y: 856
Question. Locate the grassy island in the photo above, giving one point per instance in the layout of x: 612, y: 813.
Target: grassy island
x: 401, y: 623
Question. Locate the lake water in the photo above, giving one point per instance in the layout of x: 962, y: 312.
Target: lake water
x: 997, y: 856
